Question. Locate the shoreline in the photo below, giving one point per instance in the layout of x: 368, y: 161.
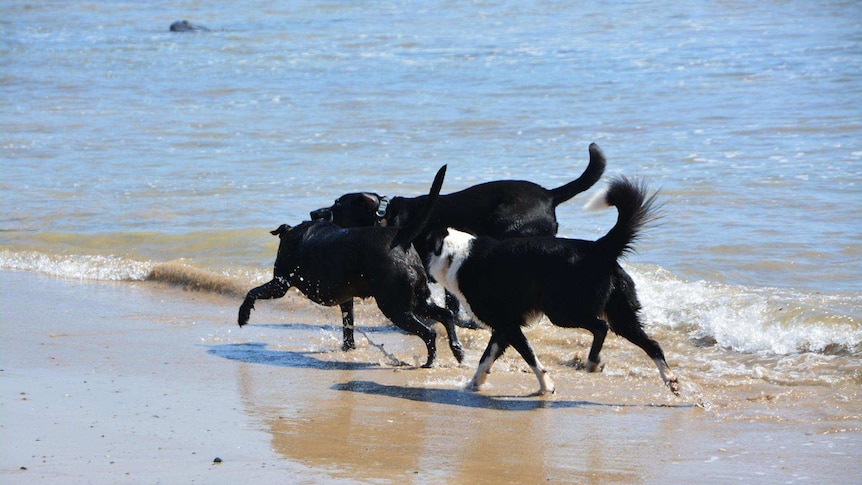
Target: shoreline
x: 109, y: 382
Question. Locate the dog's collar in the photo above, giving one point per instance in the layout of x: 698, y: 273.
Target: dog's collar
x: 382, y: 205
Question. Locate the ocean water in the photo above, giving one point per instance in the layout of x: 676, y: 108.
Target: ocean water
x: 130, y: 153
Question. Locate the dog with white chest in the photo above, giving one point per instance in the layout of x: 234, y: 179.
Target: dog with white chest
x: 505, y: 284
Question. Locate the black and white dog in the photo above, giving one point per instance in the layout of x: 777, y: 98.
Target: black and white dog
x: 506, y: 284
x: 331, y: 265
x: 500, y: 209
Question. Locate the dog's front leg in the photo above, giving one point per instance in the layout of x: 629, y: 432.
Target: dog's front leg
x: 519, y: 341
x: 347, y: 320
x: 454, y: 306
x: 275, y: 288
x: 496, y: 347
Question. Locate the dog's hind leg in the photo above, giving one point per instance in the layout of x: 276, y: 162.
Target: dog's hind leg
x: 599, y: 329
x: 622, y: 312
x: 519, y: 341
x: 409, y: 323
x: 347, y: 321
x: 497, y: 345
x: 447, y: 318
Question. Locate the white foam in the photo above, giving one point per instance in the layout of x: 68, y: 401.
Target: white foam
x: 82, y: 266
x: 742, y: 319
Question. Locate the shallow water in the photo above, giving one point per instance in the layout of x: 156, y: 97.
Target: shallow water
x: 132, y: 153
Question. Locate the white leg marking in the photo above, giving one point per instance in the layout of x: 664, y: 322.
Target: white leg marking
x: 483, y: 370
x: 478, y: 380
x: 546, y: 385
x: 667, y: 376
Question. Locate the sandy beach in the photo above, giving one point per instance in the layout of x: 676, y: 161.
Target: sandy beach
x: 143, y: 383
x: 143, y: 170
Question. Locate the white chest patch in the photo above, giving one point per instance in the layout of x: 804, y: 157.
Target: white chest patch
x: 444, y: 267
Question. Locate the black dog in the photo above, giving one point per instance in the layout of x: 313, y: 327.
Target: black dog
x: 575, y: 283
x: 332, y: 265
x: 501, y: 209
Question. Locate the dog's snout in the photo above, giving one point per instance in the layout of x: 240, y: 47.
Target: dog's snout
x: 322, y: 214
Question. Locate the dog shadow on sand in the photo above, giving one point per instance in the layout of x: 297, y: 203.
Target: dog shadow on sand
x: 258, y: 353
x: 469, y: 399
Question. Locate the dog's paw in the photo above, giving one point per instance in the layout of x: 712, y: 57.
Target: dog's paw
x: 540, y: 393
x: 546, y: 385
x: 429, y: 363
x: 245, y: 311
x: 673, y: 385
x: 458, y: 352
x: 589, y: 366
x: 473, y: 386
x: 595, y: 366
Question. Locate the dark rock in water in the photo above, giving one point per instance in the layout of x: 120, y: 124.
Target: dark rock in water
x: 186, y: 26
x: 217, y: 460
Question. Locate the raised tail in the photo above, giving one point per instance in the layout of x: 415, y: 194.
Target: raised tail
x: 591, y: 175
x: 410, y: 231
x: 636, y: 209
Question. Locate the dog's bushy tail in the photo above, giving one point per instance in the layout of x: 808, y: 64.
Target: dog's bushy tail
x: 591, y: 175
x: 636, y: 207
x: 407, y: 233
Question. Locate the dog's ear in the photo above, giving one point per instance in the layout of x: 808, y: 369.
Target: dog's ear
x: 282, y: 229
x: 370, y: 201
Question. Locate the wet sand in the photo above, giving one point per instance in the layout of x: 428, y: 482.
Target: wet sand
x: 141, y: 383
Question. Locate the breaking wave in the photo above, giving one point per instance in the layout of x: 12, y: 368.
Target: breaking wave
x: 735, y: 318
x: 196, y: 279
x: 751, y: 320
x: 112, y: 268
x: 86, y: 267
